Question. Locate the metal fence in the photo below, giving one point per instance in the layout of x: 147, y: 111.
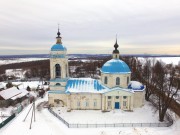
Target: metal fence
x: 59, y: 117
x: 165, y: 124
x: 7, y: 120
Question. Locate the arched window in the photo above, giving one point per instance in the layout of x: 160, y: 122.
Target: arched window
x: 127, y: 80
x: 58, y: 84
x: 67, y: 71
x: 117, y: 81
x: 58, y: 71
x: 105, y: 80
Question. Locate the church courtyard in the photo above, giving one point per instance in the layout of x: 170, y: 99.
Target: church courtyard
x: 146, y: 114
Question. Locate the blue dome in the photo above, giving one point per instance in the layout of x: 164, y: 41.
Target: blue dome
x: 115, y: 66
x: 58, y: 47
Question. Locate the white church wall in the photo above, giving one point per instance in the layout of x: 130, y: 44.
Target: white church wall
x: 118, y: 96
x: 54, y: 87
x: 112, y: 80
x: 52, y: 98
x: 85, y: 101
x: 139, y: 99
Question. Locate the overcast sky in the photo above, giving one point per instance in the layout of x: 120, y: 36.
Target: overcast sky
x: 90, y: 26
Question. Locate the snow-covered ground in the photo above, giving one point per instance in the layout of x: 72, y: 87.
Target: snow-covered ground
x: 146, y: 114
x: 47, y: 124
x: 31, y: 84
x: 22, y: 85
x: 19, y: 60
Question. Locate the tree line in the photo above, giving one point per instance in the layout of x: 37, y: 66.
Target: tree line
x: 162, y: 80
x: 162, y: 83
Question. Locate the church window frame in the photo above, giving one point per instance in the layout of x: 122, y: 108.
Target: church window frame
x: 57, y: 71
x: 124, y: 103
x: 105, y: 80
x: 95, y: 103
x: 127, y: 80
x: 58, y: 84
x: 109, y: 104
x: 124, y: 97
x: 117, y: 80
x: 78, y: 103
x: 86, y: 103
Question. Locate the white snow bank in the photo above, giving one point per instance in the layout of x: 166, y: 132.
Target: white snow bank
x: 146, y: 114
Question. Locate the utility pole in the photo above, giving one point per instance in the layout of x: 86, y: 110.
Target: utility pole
x: 33, y: 114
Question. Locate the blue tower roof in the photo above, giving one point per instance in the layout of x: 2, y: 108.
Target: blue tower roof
x: 58, y: 47
x: 115, y: 66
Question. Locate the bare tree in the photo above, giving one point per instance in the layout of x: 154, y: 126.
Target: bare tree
x: 167, y: 87
x: 147, y: 75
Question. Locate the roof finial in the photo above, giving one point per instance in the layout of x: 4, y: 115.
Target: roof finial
x: 116, y: 45
x: 58, y: 31
x: 58, y: 37
x: 116, y: 38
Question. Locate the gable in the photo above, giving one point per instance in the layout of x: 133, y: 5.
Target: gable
x: 119, y: 92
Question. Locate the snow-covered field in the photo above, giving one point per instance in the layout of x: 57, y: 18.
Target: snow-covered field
x: 19, y: 60
x: 47, y: 124
x: 167, y: 60
x: 146, y: 114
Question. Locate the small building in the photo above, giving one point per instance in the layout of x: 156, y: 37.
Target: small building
x: 9, y: 96
x: 114, y: 90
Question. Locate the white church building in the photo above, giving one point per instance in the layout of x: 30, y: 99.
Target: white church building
x: 114, y: 90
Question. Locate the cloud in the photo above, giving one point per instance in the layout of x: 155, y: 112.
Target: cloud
x: 32, y: 25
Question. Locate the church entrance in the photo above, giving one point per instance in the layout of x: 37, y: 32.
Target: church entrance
x: 117, y: 105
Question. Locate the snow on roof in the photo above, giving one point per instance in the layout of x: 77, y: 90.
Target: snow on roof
x: 86, y: 85
x: 12, y: 93
x: 136, y: 86
x: 9, y: 93
x: 1, y: 86
x: 22, y: 94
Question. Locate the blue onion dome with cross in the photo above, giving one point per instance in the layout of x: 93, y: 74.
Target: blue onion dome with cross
x: 58, y: 46
x: 115, y: 65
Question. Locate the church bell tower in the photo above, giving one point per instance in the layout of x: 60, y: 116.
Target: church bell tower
x: 59, y: 71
